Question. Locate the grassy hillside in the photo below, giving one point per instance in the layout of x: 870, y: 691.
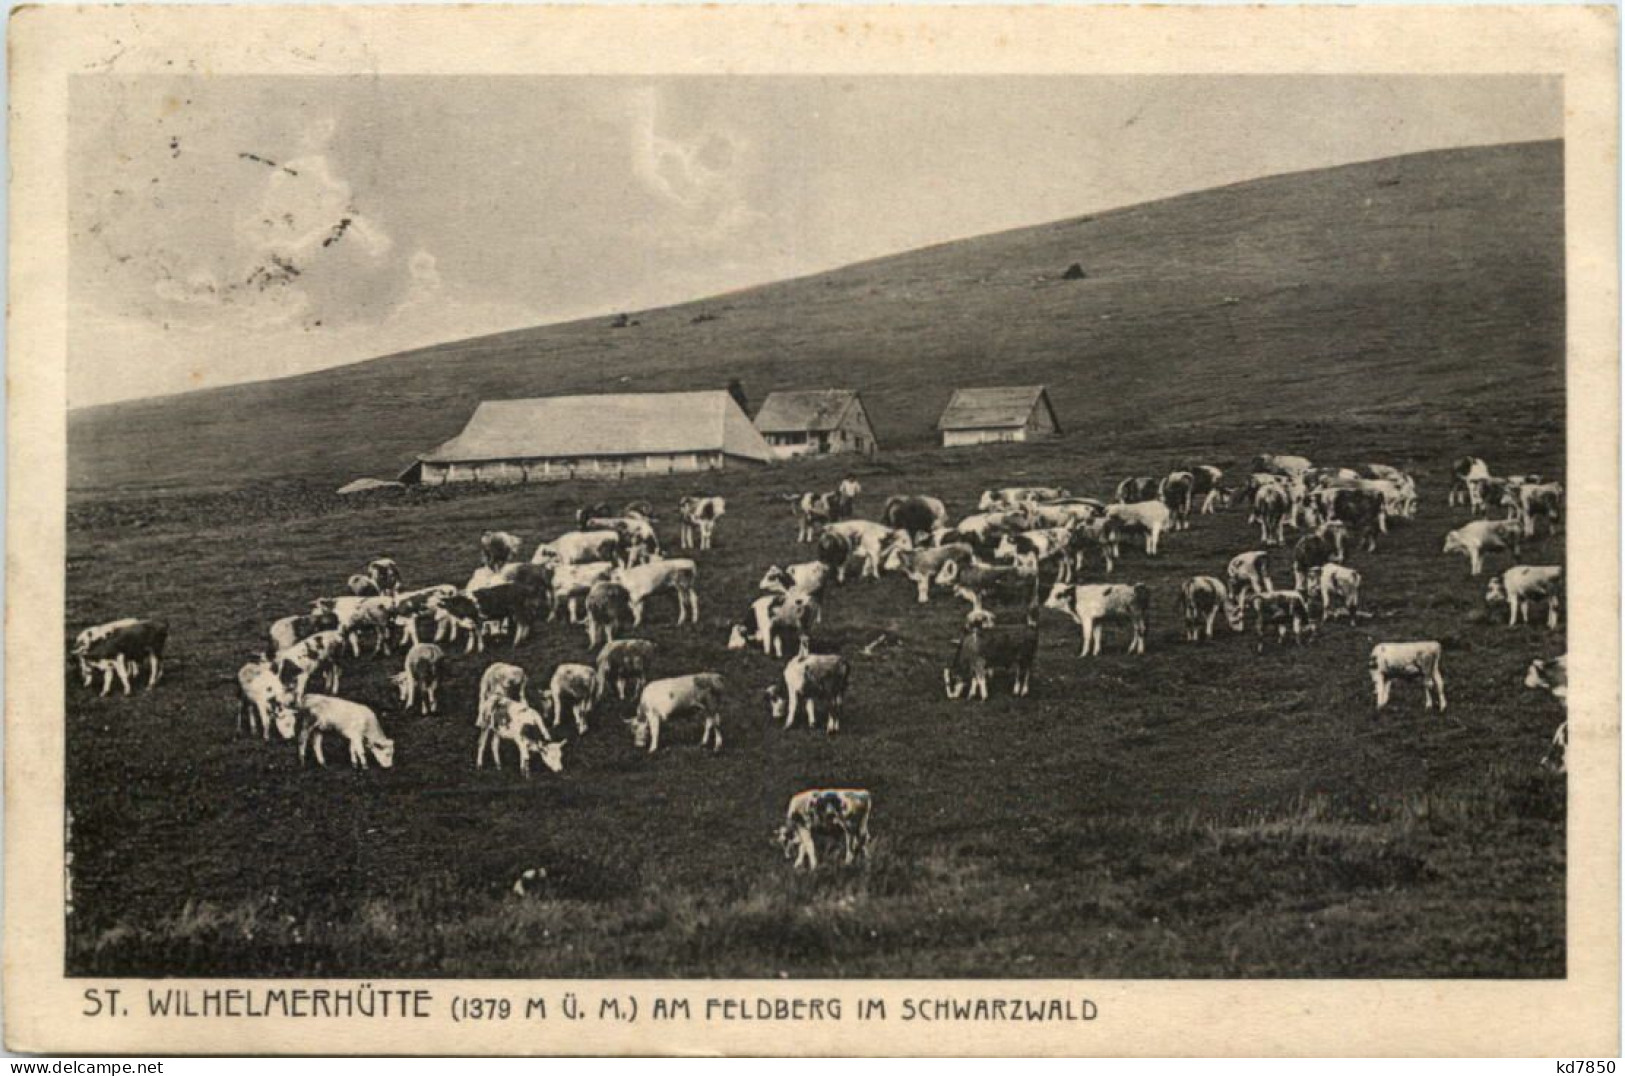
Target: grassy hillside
x: 1421, y: 288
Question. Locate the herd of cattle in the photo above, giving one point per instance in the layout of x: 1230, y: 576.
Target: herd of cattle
x: 603, y: 575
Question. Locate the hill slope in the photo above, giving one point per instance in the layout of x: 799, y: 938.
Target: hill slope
x: 1426, y: 285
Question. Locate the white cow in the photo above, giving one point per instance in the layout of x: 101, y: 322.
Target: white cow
x: 657, y: 576
x: 263, y: 699
x: 699, y: 520
x: 1092, y: 605
x: 519, y: 724
x: 663, y: 700
x: 811, y: 680
x: 1408, y: 661
x: 358, y: 725
x: 1484, y: 536
x: 1521, y: 585
x: 1149, y: 517
x: 870, y: 542
x: 843, y: 811
x: 579, y: 547
x: 1249, y: 573
x: 574, y: 688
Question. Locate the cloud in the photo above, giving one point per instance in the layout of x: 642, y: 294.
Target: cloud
x: 698, y: 183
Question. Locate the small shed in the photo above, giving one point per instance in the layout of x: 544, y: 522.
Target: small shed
x: 557, y: 438
x: 995, y: 415
x: 817, y: 422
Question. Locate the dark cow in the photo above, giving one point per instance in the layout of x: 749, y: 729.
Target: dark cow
x: 1136, y: 489
x: 1363, y: 511
x: 915, y: 515
x: 119, y: 649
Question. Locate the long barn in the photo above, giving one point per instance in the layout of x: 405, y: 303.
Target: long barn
x: 558, y: 438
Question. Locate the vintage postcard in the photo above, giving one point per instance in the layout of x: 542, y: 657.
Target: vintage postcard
x: 820, y: 530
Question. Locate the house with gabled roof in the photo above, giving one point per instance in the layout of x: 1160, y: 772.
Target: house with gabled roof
x: 993, y: 415
x: 557, y: 438
x: 811, y: 422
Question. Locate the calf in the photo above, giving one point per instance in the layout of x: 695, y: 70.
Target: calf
x: 291, y: 629
x: 1408, y: 661
x: 1550, y: 675
x: 699, y: 694
x: 1484, y: 536
x: 1093, y: 605
x: 984, y: 650
x: 118, y: 649
x: 574, y: 688
x: 1176, y: 491
x: 1149, y: 517
x: 580, y: 547
x: 1520, y: 586
x: 319, y: 714
x: 498, y: 548
x: 843, y: 811
x: 699, y: 520
x: 659, y: 576
x: 609, y: 609
x: 1337, y: 586
x: 263, y: 699
x: 317, y: 655
x: 419, y: 681
x: 772, y: 619
x: 811, y: 680
x: 923, y: 566
x: 1201, y: 599
x: 1249, y: 573
x: 519, y: 724
x: 623, y: 665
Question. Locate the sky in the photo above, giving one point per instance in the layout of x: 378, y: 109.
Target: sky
x: 227, y: 229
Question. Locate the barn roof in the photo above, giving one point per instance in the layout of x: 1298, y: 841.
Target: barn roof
x: 633, y: 424
x: 806, y: 409
x: 994, y: 408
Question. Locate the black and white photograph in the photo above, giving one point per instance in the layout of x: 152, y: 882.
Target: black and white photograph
x: 816, y: 526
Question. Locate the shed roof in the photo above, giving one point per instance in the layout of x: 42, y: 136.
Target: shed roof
x: 804, y: 409
x: 994, y: 408
x: 632, y: 424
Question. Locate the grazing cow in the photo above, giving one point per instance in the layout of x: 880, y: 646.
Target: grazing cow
x: 1540, y: 500
x: 574, y: 688
x: 1464, y: 471
x: 1249, y: 573
x: 1032, y: 549
x: 263, y: 700
x: 976, y: 581
x: 609, y: 609
x: 386, y: 573
x: 699, y: 694
x: 834, y: 550
x: 1012, y: 496
x: 291, y: 629
x: 1521, y: 585
x: 1321, y: 547
x: 320, y: 714
x: 498, y: 548
x: 1272, y: 504
x: 1094, y: 538
x: 1484, y: 536
x: 118, y: 649
x: 925, y: 565
x: 644, y: 581
x: 811, y: 680
x: 1284, y: 610
x: 843, y: 811
x: 1201, y: 599
x: 571, y: 584
x: 580, y: 547
x: 1149, y: 517
x: 1550, y: 674
x: 985, y: 649
x: 1288, y: 466
x: 624, y: 666
x: 869, y: 542
x: 1176, y: 491
x: 699, y: 518
x: 1408, y: 661
x: 1337, y: 586
x: 362, y: 586
x: 318, y: 654
x: 419, y: 681
x: 1093, y: 605
x: 773, y: 618
x: 809, y: 577
x: 638, y: 541
x: 1137, y: 489
x: 520, y: 724
x: 357, y: 615
x: 1363, y: 511
x: 499, y: 683
x: 914, y: 515
x: 1205, y: 483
